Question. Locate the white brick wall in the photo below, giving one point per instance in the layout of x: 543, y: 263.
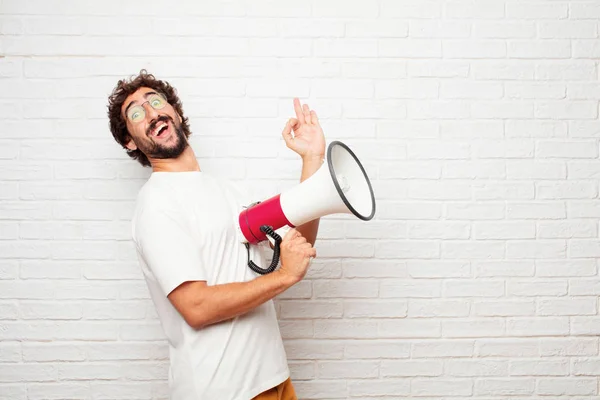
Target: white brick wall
x: 476, y: 120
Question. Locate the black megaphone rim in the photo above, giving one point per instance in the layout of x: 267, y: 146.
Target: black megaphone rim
x: 337, y: 185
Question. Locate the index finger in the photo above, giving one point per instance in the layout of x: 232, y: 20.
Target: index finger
x: 298, y: 109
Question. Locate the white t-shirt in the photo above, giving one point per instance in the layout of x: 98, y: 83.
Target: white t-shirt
x: 185, y: 229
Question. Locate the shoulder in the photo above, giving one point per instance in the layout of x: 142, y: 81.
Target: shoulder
x: 151, y: 202
x: 150, y: 197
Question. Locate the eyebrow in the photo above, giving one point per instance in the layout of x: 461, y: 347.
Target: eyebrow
x: 145, y: 96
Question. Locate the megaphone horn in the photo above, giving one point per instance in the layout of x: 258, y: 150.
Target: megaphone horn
x: 340, y: 186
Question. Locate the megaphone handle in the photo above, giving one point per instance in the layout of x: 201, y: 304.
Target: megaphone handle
x: 267, y: 230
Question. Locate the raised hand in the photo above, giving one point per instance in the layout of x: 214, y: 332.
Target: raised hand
x: 308, y: 139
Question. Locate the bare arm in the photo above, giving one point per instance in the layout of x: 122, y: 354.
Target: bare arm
x: 201, y: 305
x: 309, y: 229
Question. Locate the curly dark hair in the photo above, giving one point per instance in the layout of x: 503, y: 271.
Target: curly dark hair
x: 124, y: 88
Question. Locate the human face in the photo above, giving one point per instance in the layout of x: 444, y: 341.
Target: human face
x: 158, y: 133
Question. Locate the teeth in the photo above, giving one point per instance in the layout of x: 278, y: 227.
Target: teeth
x: 158, y: 128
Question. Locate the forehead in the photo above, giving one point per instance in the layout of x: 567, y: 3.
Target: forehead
x: 137, y: 96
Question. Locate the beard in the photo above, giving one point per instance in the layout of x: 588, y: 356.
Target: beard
x: 153, y: 149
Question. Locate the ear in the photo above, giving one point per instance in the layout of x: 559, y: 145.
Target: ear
x: 131, y: 146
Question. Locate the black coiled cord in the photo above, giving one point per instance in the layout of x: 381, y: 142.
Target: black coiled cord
x: 267, y: 230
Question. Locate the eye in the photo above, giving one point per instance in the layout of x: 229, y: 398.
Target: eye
x: 136, y: 115
x: 157, y: 102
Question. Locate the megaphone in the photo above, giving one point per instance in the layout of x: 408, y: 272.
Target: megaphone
x: 340, y: 186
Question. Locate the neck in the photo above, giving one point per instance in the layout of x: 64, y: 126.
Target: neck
x: 185, y: 162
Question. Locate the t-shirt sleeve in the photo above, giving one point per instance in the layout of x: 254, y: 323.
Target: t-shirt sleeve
x: 168, y: 249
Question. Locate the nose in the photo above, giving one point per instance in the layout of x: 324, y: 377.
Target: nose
x: 150, y: 111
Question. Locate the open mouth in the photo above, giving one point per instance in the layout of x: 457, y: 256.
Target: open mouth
x: 160, y: 130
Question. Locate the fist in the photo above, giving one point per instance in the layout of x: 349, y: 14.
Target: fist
x: 296, y: 254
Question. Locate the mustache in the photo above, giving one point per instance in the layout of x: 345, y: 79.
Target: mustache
x: 162, y: 118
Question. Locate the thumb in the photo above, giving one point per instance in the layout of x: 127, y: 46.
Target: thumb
x: 290, y: 234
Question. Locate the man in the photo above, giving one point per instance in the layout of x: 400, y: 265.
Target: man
x: 216, y: 313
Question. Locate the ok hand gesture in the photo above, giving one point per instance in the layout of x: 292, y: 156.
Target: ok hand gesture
x: 308, y: 139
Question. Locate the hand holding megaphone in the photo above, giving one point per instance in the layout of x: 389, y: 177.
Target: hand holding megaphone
x: 296, y: 255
